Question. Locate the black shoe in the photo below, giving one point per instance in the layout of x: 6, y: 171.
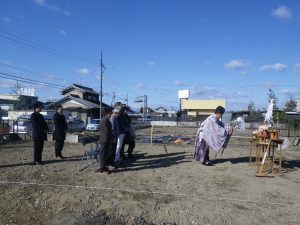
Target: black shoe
x: 130, y: 156
x: 208, y: 163
x: 40, y: 163
x: 114, y: 165
x: 123, y: 157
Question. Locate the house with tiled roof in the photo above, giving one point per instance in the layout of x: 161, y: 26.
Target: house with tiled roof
x: 80, y: 101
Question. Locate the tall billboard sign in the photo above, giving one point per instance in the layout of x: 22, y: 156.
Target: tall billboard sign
x: 26, y: 91
x: 183, y: 94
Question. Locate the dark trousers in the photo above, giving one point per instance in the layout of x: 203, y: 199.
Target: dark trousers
x: 104, y: 154
x: 206, y: 155
x: 131, y: 146
x: 112, y: 153
x: 59, y: 144
x: 125, y: 141
x: 38, y: 146
x: 122, y: 149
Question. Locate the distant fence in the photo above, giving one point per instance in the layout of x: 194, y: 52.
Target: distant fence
x: 4, y: 127
x: 290, y: 132
x: 288, y: 129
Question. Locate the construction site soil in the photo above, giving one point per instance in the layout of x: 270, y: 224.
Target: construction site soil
x: 163, y: 185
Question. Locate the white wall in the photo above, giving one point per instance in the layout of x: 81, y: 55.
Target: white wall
x: 298, y: 105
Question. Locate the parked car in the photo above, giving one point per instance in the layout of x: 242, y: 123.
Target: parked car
x: 23, y: 124
x: 94, y: 125
x: 76, y: 125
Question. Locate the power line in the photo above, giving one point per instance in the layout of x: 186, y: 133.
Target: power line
x: 21, y: 39
x: 30, y: 40
x: 213, y: 85
x: 24, y: 81
x: 34, y: 47
x: 27, y: 38
x: 30, y: 71
x: 31, y: 81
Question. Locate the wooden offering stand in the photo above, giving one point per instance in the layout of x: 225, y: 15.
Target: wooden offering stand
x: 265, y: 152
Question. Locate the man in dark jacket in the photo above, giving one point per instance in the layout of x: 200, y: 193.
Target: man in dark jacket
x: 39, y: 133
x: 59, y: 133
x: 106, y: 138
x: 130, y: 139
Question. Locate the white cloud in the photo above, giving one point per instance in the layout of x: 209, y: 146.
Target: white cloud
x: 282, y: 12
x: 297, y: 66
x: 63, y: 32
x: 277, y: 67
x: 180, y: 83
x: 203, y: 91
x: 6, y: 19
x: 237, y: 64
x: 140, y: 85
x: 240, y: 95
x: 290, y: 93
x: 54, y: 78
x: 83, y: 71
x: 151, y: 63
x: 268, y: 84
x: 54, y: 8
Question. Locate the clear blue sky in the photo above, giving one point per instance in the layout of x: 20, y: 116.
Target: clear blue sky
x: 234, y: 50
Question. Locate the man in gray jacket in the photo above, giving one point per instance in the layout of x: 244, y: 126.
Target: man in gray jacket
x: 116, y: 133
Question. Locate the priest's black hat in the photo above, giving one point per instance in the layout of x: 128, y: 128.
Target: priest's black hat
x: 220, y: 110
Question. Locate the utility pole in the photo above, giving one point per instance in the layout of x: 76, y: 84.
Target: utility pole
x: 113, y: 99
x: 145, y: 107
x: 101, y: 76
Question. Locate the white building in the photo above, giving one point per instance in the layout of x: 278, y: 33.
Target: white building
x: 298, y: 105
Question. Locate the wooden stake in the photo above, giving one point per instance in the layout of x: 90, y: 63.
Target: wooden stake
x: 151, y: 135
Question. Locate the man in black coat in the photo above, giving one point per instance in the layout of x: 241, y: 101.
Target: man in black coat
x: 59, y: 133
x: 130, y: 138
x: 106, y: 139
x: 39, y: 133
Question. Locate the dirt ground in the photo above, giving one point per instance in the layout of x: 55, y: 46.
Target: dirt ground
x: 164, y: 185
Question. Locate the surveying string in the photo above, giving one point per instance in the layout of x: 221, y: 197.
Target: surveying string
x: 178, y: 195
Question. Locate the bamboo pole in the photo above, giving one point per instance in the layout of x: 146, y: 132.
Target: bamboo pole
x: 151, y: 135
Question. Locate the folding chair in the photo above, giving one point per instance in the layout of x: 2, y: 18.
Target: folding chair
x: 91, y: 151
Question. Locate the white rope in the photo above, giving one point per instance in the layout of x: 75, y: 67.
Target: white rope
x: 179, y: 195
x: 245, y: 137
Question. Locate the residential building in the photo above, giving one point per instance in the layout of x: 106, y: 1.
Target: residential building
x: 80, y: 101
x: 298, y: 105
x: 197, y: 108
x: 16, y: 101
x: 79, y: 91
x: 160, y: 111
